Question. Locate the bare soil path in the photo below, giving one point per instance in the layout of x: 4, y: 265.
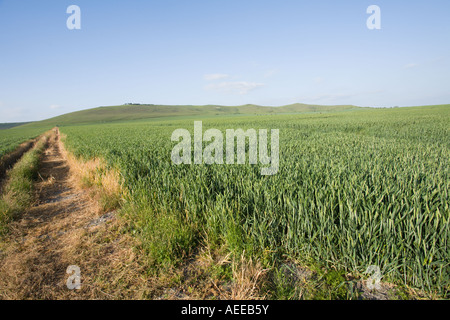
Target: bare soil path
x: 64, y: 227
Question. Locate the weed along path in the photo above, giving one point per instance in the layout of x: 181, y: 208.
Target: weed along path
x: 65, y: 227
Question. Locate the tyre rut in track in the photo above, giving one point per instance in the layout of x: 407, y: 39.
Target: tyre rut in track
x: 58, y: 231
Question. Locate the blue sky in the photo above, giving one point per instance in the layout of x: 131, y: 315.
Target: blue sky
x: 220, y: 52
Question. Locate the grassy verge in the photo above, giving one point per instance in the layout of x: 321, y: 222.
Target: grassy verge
x: 112, y: 264
x: 18, y: 190
x: 103, y: 183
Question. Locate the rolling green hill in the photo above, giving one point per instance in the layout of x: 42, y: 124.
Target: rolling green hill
x: 10, y: 125
x: 148, y: 111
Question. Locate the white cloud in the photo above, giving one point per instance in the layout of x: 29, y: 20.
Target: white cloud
x: 215, y: 76
x: 238, y: 87
x: 55, y: 106
x: 271, y: 72
x: 318, y: 80
x: 411, y: 65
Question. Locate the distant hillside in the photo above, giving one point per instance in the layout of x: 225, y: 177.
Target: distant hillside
x: 136, y: 112
x: 11, y: 125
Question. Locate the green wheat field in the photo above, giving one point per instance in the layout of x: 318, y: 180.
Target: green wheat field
x: 355, y: 187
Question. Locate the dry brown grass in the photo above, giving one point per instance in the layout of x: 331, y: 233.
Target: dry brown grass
x: 102, y: 182
x: 248, y: 277
x: 58, y: 231
x: 203, y: 278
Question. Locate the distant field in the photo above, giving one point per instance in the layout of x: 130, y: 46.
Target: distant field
x: 11, y: 125
x: 139, y: 112
x: 11, y: 138
x: 354, y: 188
